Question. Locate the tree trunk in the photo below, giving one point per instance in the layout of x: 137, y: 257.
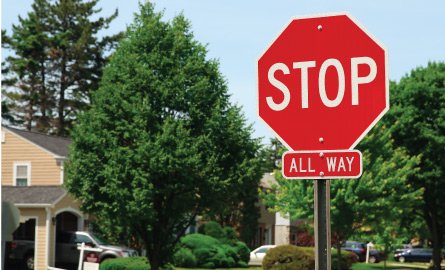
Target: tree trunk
x: 339, y: 255
x: 61, y: 105
x: 385, y: 253
x: 29, y: 116
x: 437, y: 238
x: 436, y: 230
x: 44, y: 100
x: 154, y: 262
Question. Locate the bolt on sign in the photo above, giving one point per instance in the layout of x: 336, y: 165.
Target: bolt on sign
x: 322, y: 85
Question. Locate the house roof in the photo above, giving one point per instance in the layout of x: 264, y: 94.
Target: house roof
x: 56, y: 145
x: 38, y: 195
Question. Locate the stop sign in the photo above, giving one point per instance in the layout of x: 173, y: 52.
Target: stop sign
x: 322, y: 83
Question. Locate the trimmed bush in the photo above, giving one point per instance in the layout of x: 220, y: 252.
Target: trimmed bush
x: 210, y: 252
x: 130, y: 263
x: 242, y: 251
x: 230, y: 235
x: 213, y: 229
x: 197, y: 240
x: 185, y: 258
x: 287, y: 257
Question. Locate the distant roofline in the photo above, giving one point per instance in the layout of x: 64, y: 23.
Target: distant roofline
x: 16, y: 130
x: 36, y: 132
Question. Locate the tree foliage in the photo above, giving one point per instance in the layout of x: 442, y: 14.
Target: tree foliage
x: 418, y: 124
x: 55, y: 64
x: 377, y: 202
x: 161, y: 142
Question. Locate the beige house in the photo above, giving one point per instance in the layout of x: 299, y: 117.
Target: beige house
x: 273, y: 228
x: 32, y: 179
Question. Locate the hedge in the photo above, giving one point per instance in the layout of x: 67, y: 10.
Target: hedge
x: 288, y: 257
x: 130, y: 263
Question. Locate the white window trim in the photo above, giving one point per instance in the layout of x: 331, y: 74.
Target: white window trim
x: 14, y: 169
x: 61, y: 163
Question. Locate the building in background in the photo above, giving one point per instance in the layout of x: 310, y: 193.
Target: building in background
x: 32, y: 179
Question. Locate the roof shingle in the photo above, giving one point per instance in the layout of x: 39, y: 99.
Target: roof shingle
x: 32, y: 194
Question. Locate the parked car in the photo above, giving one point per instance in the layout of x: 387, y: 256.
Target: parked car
x: 19, y: 254
x: 359, y: 249
x: 257, y: 255
x: 67, y: 255
x: 414, y: 255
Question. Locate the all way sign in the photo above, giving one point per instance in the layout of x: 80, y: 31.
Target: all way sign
x: 321, y: 164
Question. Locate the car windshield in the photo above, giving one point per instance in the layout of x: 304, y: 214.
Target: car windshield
x: 100, y: 240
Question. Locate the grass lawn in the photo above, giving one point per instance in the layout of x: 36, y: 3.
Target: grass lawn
x: 250, y: 268
x: 358, y: 266
x: 390, y: 265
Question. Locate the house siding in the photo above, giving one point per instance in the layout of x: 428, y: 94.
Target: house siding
x: 44, y: 167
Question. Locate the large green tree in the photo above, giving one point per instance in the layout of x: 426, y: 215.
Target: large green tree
x: 55, y: 63
x: 161, y: 142
x: 418, y: 124
x: 378, y: 201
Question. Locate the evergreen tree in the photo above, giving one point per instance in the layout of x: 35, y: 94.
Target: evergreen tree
x: 77, y: 57
x: 161, y: 142
x: 25, y: 71
x: 56, y: 63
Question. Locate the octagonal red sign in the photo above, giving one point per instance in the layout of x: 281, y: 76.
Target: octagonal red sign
x: 322, y: 83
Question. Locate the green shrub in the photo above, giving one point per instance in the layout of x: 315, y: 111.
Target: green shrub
x: 213, y: 229
x: 209, y: 252
x: 130, y: 263
x: 204, y: 254
x: 242, y: 251
x: 230, y: 235
x: 289, y: 257
x: 196, y: 240
x: 185, y: 258
x: 347, y: 259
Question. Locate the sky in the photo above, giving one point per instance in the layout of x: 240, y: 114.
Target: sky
x: 237, y: 32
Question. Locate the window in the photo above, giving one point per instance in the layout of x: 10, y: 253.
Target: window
x: 80, y: 238
x: 262, y: 250
x: 22, y: 174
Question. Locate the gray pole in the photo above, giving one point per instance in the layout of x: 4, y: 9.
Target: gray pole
x: 322, y: 224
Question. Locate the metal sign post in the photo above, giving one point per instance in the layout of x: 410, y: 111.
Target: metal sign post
x: 322, y: 224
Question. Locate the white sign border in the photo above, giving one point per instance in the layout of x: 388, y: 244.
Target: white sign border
x: 322, y: 177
